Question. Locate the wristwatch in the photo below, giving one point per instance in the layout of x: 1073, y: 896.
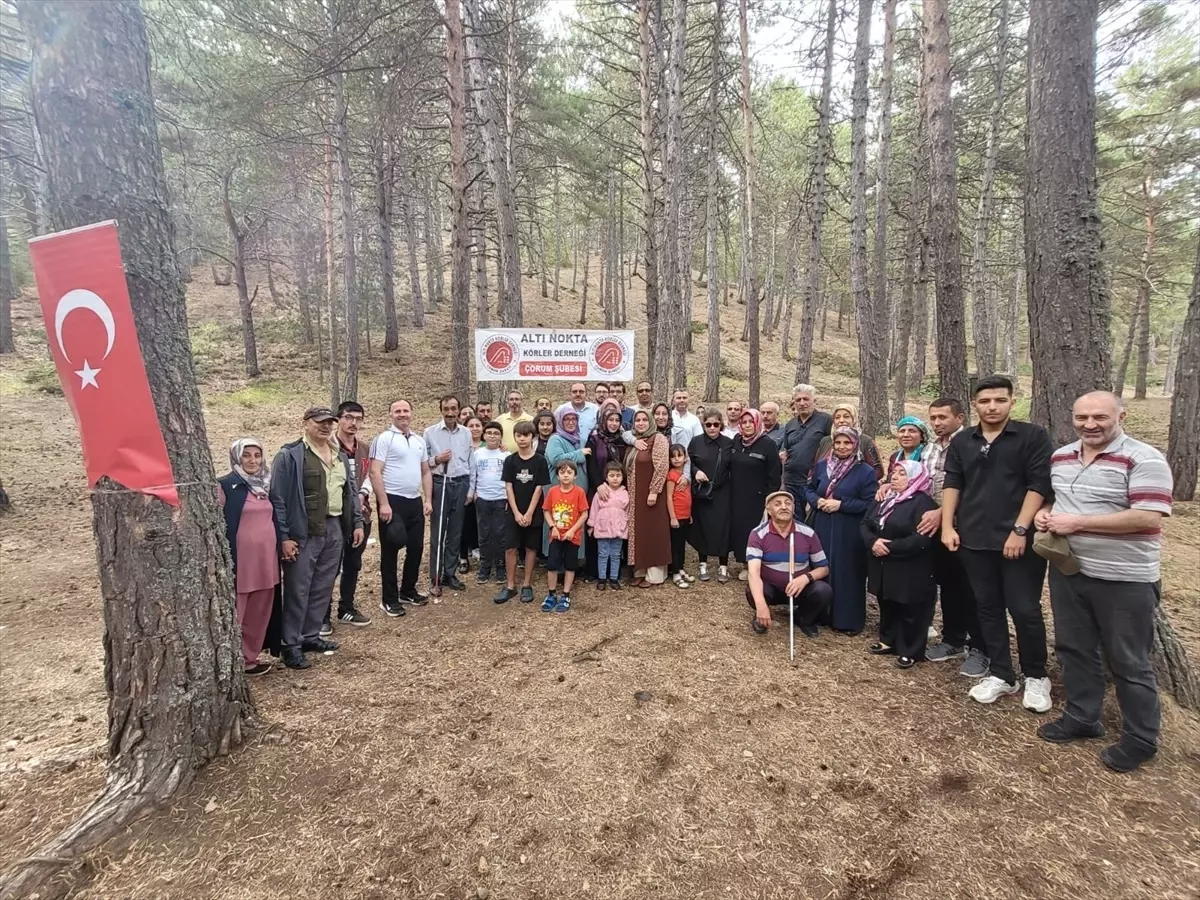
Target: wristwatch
x: 1020, y: 530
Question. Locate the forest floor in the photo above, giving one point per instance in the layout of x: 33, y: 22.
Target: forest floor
x: 468, y: 746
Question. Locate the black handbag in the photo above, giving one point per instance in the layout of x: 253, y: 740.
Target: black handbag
x: 703, y: 490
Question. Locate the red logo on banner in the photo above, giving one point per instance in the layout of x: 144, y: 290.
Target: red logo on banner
x: 500, y: 354
x: 608, y: 354
x: 94, y: 345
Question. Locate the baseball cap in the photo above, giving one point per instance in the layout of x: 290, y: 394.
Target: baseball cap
x: 1057, y: 549
x: 320, y: 413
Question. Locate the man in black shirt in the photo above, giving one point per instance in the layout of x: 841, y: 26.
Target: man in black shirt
x: 801, y: 437
x: 997, y: 478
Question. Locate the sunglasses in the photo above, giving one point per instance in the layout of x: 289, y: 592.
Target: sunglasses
x: 712, y: 424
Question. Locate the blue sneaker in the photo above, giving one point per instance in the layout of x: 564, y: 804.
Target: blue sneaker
x: 549, y: 603
x: 564, y: 604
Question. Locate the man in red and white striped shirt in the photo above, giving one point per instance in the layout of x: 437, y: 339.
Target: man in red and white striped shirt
x: 1110, y: 494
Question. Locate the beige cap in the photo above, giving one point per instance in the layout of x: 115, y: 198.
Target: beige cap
x: 1057, y: 549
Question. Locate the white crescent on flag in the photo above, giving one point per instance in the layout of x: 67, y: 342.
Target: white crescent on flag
x: 84, y: 299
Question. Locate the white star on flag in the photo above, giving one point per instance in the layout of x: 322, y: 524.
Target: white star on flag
x: 87, y: 376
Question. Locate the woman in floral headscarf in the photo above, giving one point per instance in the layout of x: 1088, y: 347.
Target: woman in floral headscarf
x: 253, y: 543
x: 841, y: 489
x: 900, y: 567
x: 754, y: 471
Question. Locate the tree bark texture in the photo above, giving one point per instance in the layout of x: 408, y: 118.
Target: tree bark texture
x: 349, y: 248
x: 460, y: 262
x: 411, y: 239
x: 982, y: 324
x: 385, y: 182
x: 173, y: 663
x: 433, y: 250
x: 330, y: 277
x: 510, y: 303
x: 748, y: 186
x: 872, y: 335
x: 712, y: 375
x: 1183, y: 450
x: 881, y: 305
x: 237, y: 236
x: 1068, y: 296
x: 671, y: 344
x: 1145, y: 293
x: 8, y: 291
x: 816, y: 214
x: 943, y: 197
x: 646, y: 71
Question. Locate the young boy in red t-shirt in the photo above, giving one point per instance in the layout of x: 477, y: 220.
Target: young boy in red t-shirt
x: 566, y: 510
x: 679, y: 502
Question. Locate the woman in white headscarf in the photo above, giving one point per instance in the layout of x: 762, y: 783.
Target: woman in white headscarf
x: 253, y: 544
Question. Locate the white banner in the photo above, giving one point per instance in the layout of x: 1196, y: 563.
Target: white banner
x: 553, y: 354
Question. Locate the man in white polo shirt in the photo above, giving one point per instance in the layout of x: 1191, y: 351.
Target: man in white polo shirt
x: 1110, y: 494
x: 403, y: 487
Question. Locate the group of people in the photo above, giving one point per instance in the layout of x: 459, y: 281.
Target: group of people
x: 811, y: 513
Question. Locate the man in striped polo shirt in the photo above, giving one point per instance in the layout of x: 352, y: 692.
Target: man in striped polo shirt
x: 773, y: 578
x: 1110, y: 494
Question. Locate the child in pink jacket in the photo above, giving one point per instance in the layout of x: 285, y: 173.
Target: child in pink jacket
x: 608, y: 521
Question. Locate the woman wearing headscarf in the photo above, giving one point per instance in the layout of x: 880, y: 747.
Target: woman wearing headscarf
x: 755, y: 470
x: 912, y: 434
x: 649, y: 518
x: 469, y: 546
x: 607, y: 445
x: 900, y: 564
x: 841, y: 489
x: 567, y: 443
x: 711, y: 455
x: 845, y: 415
x: 254, y: 545
x: 543, y: 430
x: 661, y: 413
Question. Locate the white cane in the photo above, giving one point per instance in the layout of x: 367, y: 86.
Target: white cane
x: 791, y: 599
x: 441, y: 529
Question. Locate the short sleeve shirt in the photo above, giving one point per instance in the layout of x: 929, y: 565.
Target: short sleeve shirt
x: 402, y: 455
x: 1127, y: 474
x: 770, y: 548
x: 682, y: 496
x: 565, y: 508
x: 525, y: 476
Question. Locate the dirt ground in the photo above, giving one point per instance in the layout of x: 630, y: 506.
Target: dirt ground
x: 469, y: 750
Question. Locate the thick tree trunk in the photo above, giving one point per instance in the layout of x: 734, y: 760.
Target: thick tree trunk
x: 1122, y: 370
x: 510, y: 308
x: 557, y: 234
x: 385, y: 178
x: 587, y: 259
x: 1145, y: 292
x: 906, y: 313
x: 921, y: 318
x: 173, y: 662
x: 8, y: 291
x: 411, y: 239
x: 1012, y: 314
x: 433, y: 250
x: 1172, y: 360
x: 712, y: 375
x: 816, y: 213
x: 349, y: 249
x: 1068, y: 296
x: 649, y: 195
x: 237, y: 237
x: 751, y: 175
x: 330, y: 277
x: 482, y: 316
x: 460, y: 262
x: 301, y: 257
x: 1183, y: 450
x: 872, y: 336
x: 982, y: 324
x: 611, y: 307
x: 943, y: 195
x: 881, y: 307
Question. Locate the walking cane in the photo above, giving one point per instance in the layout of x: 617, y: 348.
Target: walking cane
x: 441, y: 530
x: 791, y: 599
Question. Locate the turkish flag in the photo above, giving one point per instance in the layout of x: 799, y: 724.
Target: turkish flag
x: 94, y: 344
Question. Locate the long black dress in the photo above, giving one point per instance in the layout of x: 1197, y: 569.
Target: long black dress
x: 902, y: 581
x: 709, y: 533
x: 754, y: 473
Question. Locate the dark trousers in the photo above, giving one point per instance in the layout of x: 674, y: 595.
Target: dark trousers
x: 811, y: 603
x: 445, y: 526
x: 1003, y: 587
x: 960, y: 623
x: 905, y: 627
x: 351, y: 566
x: 678, y: 545
x: 1113, y: 620
x: 308, y: 584
x: 491, y: 519
x: 405, y: 532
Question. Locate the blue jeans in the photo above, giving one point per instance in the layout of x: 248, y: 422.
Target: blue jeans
x: 608, y: 558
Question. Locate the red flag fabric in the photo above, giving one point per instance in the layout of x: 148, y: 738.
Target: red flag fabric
x: 94, y: 344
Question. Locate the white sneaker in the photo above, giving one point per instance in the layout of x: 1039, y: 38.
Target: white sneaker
x: 704, y: 576
x: 744, y: 575
x: 992, y: 689
x: 932, y: 634
x: 680, y: 582
x: 688, y: 578
x: 1037, y: 695
x: 723, y: 574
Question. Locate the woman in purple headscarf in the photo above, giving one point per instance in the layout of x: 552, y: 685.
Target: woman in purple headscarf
x: 900, y: 567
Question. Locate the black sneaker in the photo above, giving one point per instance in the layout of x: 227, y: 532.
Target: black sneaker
x: 463, y: 567
x: 809, y: 631
x: 482, y: 576
x: 602, y: 585
x: 326, y: 628
x: 258, y: 669
x: 504, y: 596
x: 527, y: 595
x: 392, y: 608
x: 500, y: 577
x: 320, y: 645
x: 1064, y: 731
x: 454, y: 584
x: 414, y: 599
x: 614, y: 584
x: 294, y: 658
x: 352, y: 616
x: 1126, y: 755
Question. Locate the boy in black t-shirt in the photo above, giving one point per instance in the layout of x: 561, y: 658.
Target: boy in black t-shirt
x: 525, y: 472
